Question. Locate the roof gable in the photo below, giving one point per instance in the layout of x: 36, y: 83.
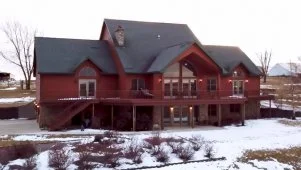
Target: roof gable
x: 145, y: 41
x: 229, y: 57
x: 62, y: 56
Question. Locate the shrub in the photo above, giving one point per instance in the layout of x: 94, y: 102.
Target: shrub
x: 209, y: 151
x: 85, y: 161
x: 30, y: 163
x: 197, y: 142
x: 134, y: 152
x: 162, y: 156
x: 58, y: 157
x: 185, y: 153
x: 173, y: 140
x: 22, y: 151
x: 154, y: 140
x: 98, y: 138
x: 175, y: 147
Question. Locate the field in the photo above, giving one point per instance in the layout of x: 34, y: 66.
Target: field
x: 261, y: 144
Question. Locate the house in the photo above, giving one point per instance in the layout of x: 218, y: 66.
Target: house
x: 4, y: 76
x: 285, y: 69
x: 142, y: 76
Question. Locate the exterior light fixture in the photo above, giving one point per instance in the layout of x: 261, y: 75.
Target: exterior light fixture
x: 190, y: 108
x: 200, y: 80
x: 247, y: 81
x: 171, y: 109
x: 159, y: 80
x: 230, y: 81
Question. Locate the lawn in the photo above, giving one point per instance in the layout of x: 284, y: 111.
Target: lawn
x: 261, y: 144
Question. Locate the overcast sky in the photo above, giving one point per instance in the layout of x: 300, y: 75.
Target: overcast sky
x: 252, y: 25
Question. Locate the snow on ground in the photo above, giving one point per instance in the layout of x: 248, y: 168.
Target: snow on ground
x: 229, y: 142
x: 17, y: 100
x: 10, y: 88
x: 266, y: 86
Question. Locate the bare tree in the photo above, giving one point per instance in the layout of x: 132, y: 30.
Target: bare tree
x: 265, y: 59
x: 21, y: 39
x: 293, y: 86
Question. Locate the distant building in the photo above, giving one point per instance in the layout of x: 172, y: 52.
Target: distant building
x: 285, y: 69
x: 4, y: 76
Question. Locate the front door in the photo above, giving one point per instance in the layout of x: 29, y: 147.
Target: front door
x: 87, y: 88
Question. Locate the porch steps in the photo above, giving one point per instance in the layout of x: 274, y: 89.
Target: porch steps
x: 68, y: 113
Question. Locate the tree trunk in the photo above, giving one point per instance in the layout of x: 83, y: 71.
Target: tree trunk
x: 264, y: 78
x: 27, y: 83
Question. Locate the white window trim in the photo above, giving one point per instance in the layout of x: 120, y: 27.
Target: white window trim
x: 243, y: 88
x: 82, y: 81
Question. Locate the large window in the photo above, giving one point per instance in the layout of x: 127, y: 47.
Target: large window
x: 211, y: 84
x: 87, y: 88
x: 138, y: 84
x: 238, y: 87
x: 212, y: 110
x: 87, y: 71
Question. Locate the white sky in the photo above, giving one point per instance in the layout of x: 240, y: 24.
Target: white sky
x: 253, y: 25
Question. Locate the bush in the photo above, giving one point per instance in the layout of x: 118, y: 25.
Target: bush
x: 58, y: 157
x: 162, y: 156
x: 185, y: 153
x: 22, y: 151
x: 30, y: 163
x: 134, y: 152
x: 17, y: 151
x: 197, y: 142
x: 85, y: 161
x: 209, y: 151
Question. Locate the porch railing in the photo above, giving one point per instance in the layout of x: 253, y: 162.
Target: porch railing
x: 143, y: 94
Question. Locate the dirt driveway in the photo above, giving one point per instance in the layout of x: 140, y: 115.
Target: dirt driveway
x: 18, y: 127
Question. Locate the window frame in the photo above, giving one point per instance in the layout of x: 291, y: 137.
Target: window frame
x: 87, y: 71
x: 137, y: 84
x: 210, y: 85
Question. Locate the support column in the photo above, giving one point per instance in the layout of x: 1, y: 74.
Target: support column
x: 180, y: 80
x: 93, y: 116
x: 112, y: 117
x: 162, y: 118
x: 171, y: 109
x: 243, y: 114
x: 134, y: 118
x: 270, y: 108
x: 181, y: 112
x: 191, y: 116
x: 219, y: 115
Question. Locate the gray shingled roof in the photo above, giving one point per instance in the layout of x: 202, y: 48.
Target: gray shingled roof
x: 63, y: 56
x: 142, y: 44
x: 228, y: 57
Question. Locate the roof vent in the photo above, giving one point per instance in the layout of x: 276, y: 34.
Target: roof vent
x: 119, y: 35
x: 158, y: 36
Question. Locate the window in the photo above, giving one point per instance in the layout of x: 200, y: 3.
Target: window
x: 138, y: 84
x: 87, y: 88
x: 238, y: 87
x: 211, y: 84
x: 234, y: 108
x: 212, y: 110
x: 87, y: 71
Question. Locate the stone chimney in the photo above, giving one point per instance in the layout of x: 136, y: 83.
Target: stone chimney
x: 119, y: 35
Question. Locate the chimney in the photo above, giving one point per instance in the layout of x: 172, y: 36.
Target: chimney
x: 119, y: 35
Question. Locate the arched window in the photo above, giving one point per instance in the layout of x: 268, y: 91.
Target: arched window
x: 238, y: 73
x: 87, y: 71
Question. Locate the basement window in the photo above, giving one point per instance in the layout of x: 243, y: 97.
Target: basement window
x: 234, y: 108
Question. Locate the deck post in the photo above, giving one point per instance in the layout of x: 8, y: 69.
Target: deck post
x: 134, y: 118
x: 191, y: 116
x: 181, y: 113
x: 93, y: 114
x: 112, y: 117
x: 243, y: 114
x: 162, y: 118
x: 171, y: 115
x: 270, y: 108
x: 219, y: 115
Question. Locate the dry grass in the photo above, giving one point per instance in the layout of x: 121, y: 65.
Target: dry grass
x: 290, y: 156
x: 295, y: 123
x: 5, y: 142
